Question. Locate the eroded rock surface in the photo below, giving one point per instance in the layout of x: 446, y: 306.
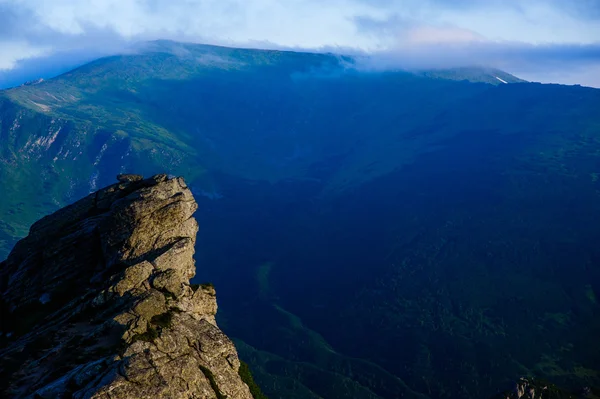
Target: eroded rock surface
x: 96, y: 302
x: 530, y: 388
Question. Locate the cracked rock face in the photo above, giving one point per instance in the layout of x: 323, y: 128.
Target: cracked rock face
x: 530, y: 388
x: 96, y: 302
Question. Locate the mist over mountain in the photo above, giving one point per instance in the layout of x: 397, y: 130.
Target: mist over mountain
x: 548, y: 41
x: 45, y: 67
x: 371, y: 233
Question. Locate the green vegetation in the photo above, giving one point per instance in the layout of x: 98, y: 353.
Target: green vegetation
x: 163, y: 320
x: 262, y: 277
x: 149, y: 336
x: 246, y: 376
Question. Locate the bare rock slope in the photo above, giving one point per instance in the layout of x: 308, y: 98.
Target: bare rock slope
x: 96, y: 302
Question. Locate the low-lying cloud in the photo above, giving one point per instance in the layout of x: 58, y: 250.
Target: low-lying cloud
x: 564, y: 63
x: 545, y: 40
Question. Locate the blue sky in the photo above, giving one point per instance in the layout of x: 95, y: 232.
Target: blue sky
x: 548, y: 41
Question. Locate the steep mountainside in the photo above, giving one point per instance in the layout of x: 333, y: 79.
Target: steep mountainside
x: 205, y: 111
x: 96, y: 302
x: 371, y: 234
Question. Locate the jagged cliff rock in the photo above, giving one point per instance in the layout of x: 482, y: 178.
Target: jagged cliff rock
x: 530, y: 388
x: 96, y: 302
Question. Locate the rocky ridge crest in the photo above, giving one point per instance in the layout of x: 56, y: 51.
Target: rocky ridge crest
x: 96, y: 302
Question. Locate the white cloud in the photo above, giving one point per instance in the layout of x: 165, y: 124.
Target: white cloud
x: 293, y: 22
x: 12, y: 52
x: 586, y: 75
x: 532, y: 22
x: 437, y: 35
x: 29, y: 28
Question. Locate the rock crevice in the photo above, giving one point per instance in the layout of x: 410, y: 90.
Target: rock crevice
x: 96, y: 302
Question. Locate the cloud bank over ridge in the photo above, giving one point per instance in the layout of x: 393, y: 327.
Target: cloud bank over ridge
x: 549, y: 40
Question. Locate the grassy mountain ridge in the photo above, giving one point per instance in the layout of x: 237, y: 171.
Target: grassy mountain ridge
x: 142, y: 110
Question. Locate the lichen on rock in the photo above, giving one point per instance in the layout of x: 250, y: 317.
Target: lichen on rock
x: 119, y: 318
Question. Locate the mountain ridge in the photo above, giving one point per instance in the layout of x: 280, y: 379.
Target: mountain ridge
x: 345, y: 182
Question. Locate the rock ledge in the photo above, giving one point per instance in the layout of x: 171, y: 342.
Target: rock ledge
x: 96, y: 302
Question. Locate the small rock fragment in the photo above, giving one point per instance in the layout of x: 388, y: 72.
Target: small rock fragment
x: 127, y: 178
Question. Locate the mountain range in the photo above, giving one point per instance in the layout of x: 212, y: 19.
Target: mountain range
x: 372, y: 233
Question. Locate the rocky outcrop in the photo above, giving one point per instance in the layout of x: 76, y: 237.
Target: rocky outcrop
x: 96, y: 302
x: 530, y: 388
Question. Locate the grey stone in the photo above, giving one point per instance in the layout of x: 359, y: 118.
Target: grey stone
x: 127, y: 178
x: 122, y: 321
